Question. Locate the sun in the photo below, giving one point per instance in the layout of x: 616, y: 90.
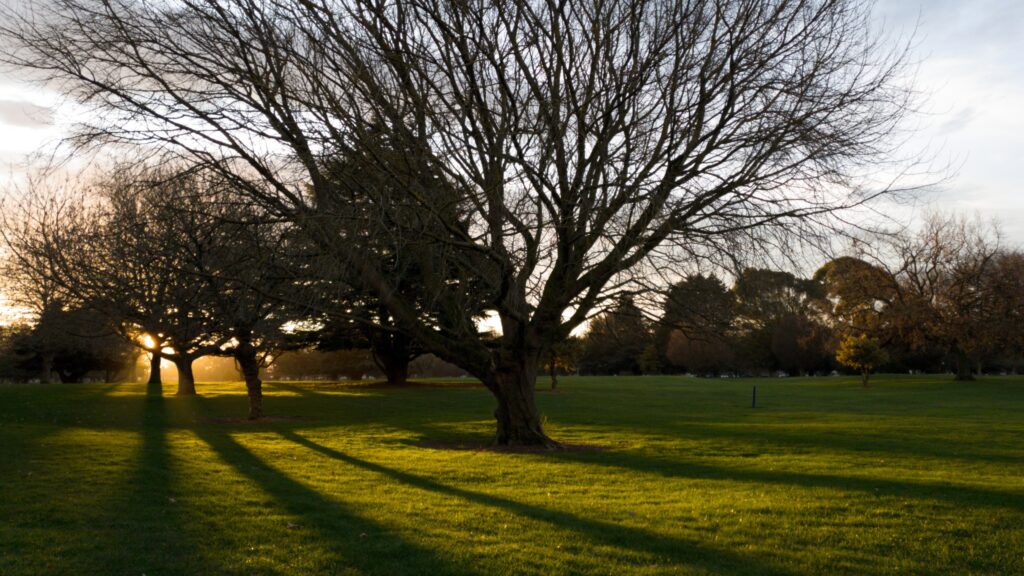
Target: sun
x: 148, y: 342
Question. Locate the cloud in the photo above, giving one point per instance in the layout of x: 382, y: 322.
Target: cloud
x: 24, y: 114
x: 958, y: 121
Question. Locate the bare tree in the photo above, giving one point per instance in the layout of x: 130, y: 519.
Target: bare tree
x: 1006, y: 282
x: 938, y: 287
x: 29, y: 286
x: 554, y: 150
x: 125, y: 246
x: 239, y: 264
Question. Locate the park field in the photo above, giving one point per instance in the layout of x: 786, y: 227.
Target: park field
x: 671, y: 475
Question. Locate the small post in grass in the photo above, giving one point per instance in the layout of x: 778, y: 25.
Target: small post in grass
x: 753, y: 398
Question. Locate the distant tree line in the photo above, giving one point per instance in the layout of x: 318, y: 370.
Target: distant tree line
x: 948, y: 298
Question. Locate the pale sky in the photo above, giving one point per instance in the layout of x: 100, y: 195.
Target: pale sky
x: 971, y: 71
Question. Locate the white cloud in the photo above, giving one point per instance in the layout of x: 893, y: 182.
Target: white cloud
x: 25, y: 114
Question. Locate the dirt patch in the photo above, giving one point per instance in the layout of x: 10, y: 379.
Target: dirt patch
x: 489, y: 447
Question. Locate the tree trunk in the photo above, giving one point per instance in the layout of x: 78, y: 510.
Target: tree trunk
x: 963, y: 368
x: 46, y: 371
x: 554, y: 372
x: 512, y: 383
x: 186, y: 380
x: 864, y: 378
x: 246, y: 357
x: 396, y: 370
x: 154, y: 368
x: 391, y: 353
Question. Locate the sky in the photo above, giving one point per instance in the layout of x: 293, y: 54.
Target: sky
x: 970, y: 73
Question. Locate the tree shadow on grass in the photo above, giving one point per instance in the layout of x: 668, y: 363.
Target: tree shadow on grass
x: 953, y: 494
x: 894, y: 443
x: 26, y: 425
x: 665, y: 549
x: 354, y: 542
x: 149, y: 535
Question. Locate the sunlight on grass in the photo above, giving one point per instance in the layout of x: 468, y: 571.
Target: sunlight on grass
x: 912, y: 476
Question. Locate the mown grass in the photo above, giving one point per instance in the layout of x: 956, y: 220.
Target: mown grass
x: 914, y: 475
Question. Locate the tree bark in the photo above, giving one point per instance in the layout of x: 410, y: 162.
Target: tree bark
x: 513, y: 383
x: 254, y: 385
x: 554, y: 371
x: 186, y: 380
x: 154, y: 368
x: 963, y: 368
x: 864, y: 378
x: 247, y: 358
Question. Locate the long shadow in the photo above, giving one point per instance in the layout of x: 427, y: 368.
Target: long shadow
x: 639, y: 540
x: 894, y: 443
x: 300, y: 390
x: 150, y: 532
x: 353, y: 541
x: 955, y: 494
x: 41, y: 520
x: 26, y: 424
x: 910, y: 418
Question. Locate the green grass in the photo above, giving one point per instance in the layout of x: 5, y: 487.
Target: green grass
x: 912, y: 476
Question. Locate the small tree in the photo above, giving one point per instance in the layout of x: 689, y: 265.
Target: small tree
x: 862, y: 353
x: 563, y: 357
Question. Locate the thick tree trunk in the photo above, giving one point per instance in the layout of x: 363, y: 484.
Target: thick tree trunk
x: 963, y: 368
x: 391, y: 353
x: 513, y: 385
x: 186, y: 380
x: 396, y: 369
x: 154, y: 368
x: 254, y: 386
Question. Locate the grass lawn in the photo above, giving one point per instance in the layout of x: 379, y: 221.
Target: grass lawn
x: 915, y: 475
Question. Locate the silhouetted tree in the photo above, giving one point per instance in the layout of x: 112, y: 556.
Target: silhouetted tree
x: 707, y: 353
x: 563, y: 358
x: 697, y: 319
x: 779, y: 324
x: 616, y: 340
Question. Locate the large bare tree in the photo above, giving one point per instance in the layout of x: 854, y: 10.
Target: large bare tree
x: 555, y: 150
